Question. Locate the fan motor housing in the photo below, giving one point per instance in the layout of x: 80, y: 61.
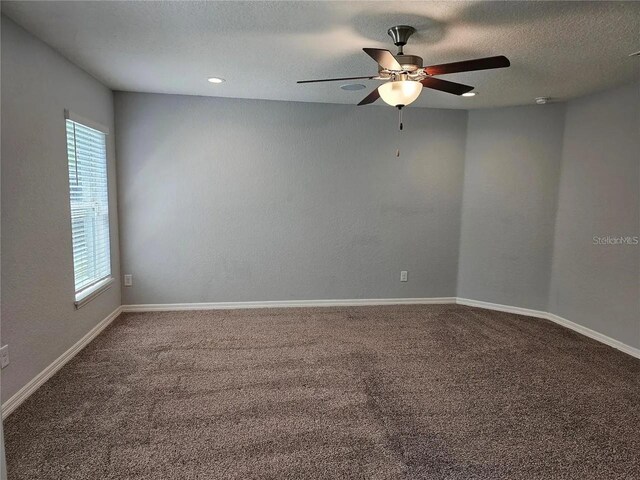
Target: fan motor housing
x: 409, y: 62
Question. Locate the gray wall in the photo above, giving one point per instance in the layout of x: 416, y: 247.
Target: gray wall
x: 598, y: 286
x: 244, y: 200
x: 39, y: 320
x: 510, y: 191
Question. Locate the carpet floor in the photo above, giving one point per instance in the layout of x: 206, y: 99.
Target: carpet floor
x: 391, y: 392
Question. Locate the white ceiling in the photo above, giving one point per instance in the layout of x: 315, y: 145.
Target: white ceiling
x: 557, y: 49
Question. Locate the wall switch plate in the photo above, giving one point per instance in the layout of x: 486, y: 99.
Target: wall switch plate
x: 4, y: 356
x: 404, y: 276
x: 128, y: 280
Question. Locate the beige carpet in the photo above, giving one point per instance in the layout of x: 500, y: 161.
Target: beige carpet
x: 407, y: 392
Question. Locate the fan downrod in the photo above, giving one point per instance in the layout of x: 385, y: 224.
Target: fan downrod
x: 400, y: 35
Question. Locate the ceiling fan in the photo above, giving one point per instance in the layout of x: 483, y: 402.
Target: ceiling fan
x: 405, y: 76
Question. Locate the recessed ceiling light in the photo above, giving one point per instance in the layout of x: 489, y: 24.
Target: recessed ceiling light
x: 215, y: 80
x: 542, y: 100
x: 353, y: 86
x: 469, y: 94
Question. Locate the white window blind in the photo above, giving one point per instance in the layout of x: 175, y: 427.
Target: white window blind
x: 87, y: 158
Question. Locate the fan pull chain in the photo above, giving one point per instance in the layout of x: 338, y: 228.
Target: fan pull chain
x: 400, y: 126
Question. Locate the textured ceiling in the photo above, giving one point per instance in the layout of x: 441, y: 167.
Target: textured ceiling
x: 557, y: 49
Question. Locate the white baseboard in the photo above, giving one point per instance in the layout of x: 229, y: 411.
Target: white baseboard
x: 175, y: 307
x: 502, y: 308
x: 22, y: 394
x: 587, y: 332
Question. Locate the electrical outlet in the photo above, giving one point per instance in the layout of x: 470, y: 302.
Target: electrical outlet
x: 128, y: 280
x: 404, y: 276
x: 4, y: 356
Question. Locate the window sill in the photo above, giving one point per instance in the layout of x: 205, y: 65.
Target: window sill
x: 85, y: 296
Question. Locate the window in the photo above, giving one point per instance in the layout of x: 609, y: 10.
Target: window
x: 89, y: 198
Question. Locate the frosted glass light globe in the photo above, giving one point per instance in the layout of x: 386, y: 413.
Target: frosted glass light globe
x: 400, y: 92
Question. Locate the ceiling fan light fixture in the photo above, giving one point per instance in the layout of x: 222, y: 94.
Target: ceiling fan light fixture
x: 400, y: 92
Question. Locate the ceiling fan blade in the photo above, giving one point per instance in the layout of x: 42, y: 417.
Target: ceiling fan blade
x: 445, y: 86
x: 372, y: 97
x: 384, y: 58
x: 336, y: 79
x: 468, y: 65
